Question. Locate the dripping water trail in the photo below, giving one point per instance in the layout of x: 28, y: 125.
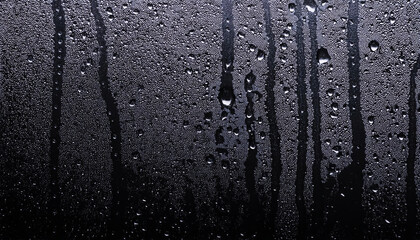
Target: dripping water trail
x: 272, y: 117
x: 348, y: 205
x: 59, y: 61
x: 318, y: 201
x: 412, y: 146
x: 302, y: 127
x: 255, y: 222
x: 226, y: 94
x: 191, y: 220
x: 118, y: 186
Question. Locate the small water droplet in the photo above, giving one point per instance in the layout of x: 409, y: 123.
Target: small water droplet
x: 333, y: 115
x: 135, y: 155
x: 283, y: 46
x: 334, y: 106
x: 241, y: 35
x: 132, y: 102
x: 252, y: 47
x: 391, y: 19
x: 260, y: 55
x: 208, y: 116
x: 210, y: 159
x: 371, y: 119
x: 373, y: 45
x: 109, y: 10
x: 140, y: 132
x: 401, y: 136
x: 330, y: 92
x: 249, y: 81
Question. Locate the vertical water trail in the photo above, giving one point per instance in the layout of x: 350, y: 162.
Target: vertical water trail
x: 255, y: 220
x: 58, y: 64
x: 191, y: 214
x: 318, y: 201
x: 302, y: 126
x: 348, y: 204
x: 118, y: 185
x: 270, y: 103
x: 412, y: 147
x: 226, y: 94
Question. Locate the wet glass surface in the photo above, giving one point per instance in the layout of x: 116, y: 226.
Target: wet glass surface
x: 255, y: 119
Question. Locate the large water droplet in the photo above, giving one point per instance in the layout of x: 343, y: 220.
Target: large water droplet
x: 226, y: 102
x: 292, y: 7
x: 226, y: 96
x: 310, y: 5
x: 373, y: 45
x: 322, y: 56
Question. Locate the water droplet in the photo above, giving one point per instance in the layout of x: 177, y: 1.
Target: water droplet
x: 241, y: 35
x: 252, y: 47
x: 330, y: 92
x: 260, y: 55
x: 135, y: 155
x: 391, y: 19
x: 371, y: 119
x: 226, y: 96
x: 310, y: 5
x: 210, y: 159
x: 199, y: 128
x: 185, y: 123
x: 401, y: 136
x: 208, y: 116
x: 236, y: 131
x: 373, y: 45
x: 334, y: 106
x: 283, y: 46
x: 139, y: 132
x: 132, y: 102
x: 109, y: 10
x: 375, y: 188
x: 226, y: 102
x: 333, y: 115
x: 249, y: 81
x: 292, y: 7
x: 323, y: 56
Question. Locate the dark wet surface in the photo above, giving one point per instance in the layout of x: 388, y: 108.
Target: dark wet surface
x: 209, y: 120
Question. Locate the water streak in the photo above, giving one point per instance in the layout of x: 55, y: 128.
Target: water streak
x: 274, y: 135
x: 55, y: 140
x: 118, y: 184
x: 412, y: 147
